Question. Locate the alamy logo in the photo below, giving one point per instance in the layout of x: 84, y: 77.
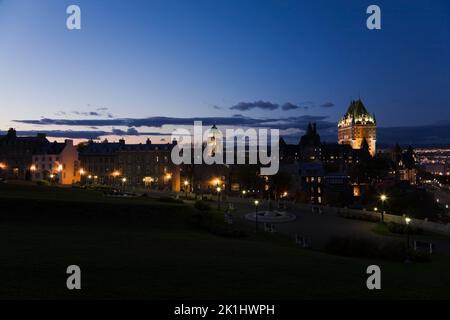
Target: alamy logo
x: 73, y: 21
x: 374, y: 280
x: 237, y: 146
x: 374, y: 20
x: 74, y: 280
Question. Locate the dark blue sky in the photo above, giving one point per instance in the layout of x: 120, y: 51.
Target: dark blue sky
x: 199, y: 58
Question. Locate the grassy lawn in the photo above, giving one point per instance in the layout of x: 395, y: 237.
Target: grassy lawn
x: 142, y: 248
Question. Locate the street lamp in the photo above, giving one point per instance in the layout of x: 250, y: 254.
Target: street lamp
x: 186, y: 184
x: 407, y: 221
x: 256, y: 215
x: 383, y: 198
x: 218, y: 189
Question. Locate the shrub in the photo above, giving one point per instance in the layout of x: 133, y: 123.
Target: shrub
x: 364, y: 248
x: 202, y: 205
x: 170, y: 200
x: 402, y: 229
x: 43, y: 183
x: 207, y: 221
x: 348, y: 246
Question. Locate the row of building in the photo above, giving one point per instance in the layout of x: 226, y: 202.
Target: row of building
x: 316, y: 170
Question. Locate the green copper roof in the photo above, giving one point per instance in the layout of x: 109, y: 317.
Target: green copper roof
x: 357, y: 108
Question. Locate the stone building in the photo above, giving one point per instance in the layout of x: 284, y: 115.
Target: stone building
x: 356, y: 126
x: 16, y: 154
x: 56, y: 162
x: 141, y: 165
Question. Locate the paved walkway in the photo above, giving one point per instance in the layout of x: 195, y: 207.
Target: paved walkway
x: 320, y: 228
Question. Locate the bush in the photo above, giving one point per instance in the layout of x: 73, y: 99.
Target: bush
x: 207, y: 221
x: 170, y: 200
x: 202, y: 205
x: 353, y: 247
x: 364, y: 248
x: 43, y: 183
x: 359, y: 216
x: 402, y: 229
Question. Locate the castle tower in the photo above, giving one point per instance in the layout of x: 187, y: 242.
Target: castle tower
x: 214, y: 141
x: 356, y: 125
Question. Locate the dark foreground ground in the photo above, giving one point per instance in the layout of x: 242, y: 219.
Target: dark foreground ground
x: 145, y: 248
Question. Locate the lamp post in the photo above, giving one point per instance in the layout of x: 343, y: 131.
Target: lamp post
x: 124, y: 180
x: 407, y: 220
x: 383, y: 198
x: 186, y: 184
x: 82, y: 172
x: 256, y: 215
x: 218, y: 189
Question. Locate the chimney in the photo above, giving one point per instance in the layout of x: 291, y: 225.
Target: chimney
x: 12, y: 132
x: 69, y: 142
x: 148, y: 141
x: 122, y: 141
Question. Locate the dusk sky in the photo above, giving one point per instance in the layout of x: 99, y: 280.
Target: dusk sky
x: 183, y: 59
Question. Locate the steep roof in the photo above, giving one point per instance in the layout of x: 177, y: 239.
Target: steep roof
x: 50, y: 148
x: 113, y: 147
x: 357, y: 108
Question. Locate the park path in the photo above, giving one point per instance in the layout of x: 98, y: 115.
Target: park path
x: 320, y: 228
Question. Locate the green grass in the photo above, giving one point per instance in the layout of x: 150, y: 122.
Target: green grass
x: 141, y: 248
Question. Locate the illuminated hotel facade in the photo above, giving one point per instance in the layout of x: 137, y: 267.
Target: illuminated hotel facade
x: 356, y: 126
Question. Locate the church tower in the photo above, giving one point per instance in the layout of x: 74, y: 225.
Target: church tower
x: 356, y: 125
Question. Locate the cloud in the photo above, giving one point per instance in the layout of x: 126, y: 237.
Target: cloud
x: 87, y: 134
x: 327, y: 105
x: 274, y: 123
x: 217, y: 107
x: 98, y: 112
x: 132, y: 132
x: 290, y: 106
x: 246, y: 106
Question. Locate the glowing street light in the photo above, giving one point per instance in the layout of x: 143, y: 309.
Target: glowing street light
x: 256, y: 202
x: 218, y: 189
x: 60, y: 168
x: 186, y: 184
x: 3, y: 165
x: 82, y: 172
x: 407, y: 220
x: 383, y: 199
x: 33, y: 168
